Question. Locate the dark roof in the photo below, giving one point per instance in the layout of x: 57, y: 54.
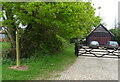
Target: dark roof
x: 101, y: 29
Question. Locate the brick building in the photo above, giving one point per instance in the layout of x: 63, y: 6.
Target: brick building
x: 100, y: 34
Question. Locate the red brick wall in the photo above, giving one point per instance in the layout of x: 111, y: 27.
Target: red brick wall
x: 101, y: 40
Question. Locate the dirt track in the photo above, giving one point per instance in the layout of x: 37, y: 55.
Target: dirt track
x: 91, y: 68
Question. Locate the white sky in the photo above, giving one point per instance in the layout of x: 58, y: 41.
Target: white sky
x: 108, y: 11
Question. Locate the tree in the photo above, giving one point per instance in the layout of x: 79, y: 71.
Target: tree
x: 48, y: 24
x: 116, y: 32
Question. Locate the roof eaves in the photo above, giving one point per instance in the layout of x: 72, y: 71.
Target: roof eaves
x: 108, y: 30
x: 93, y: 30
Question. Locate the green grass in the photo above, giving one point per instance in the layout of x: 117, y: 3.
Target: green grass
x: 41, y: 67
x: 4, y: 46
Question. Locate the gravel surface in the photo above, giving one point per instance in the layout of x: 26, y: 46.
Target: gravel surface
x: 91, y: 68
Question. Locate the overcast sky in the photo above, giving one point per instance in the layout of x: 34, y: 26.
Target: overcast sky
x: 108, y: 11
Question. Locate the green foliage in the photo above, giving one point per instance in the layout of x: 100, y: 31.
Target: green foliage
x: 116, y: 32
x: 48, y: 23
x: 4, y: 46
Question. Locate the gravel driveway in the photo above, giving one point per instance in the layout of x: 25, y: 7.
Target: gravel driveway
x: 91, y: 68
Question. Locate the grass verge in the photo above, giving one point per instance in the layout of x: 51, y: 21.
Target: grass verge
x: 41, y: 67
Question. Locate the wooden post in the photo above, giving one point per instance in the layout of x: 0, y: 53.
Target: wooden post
x: 76, y: 49
x: 17, y: 49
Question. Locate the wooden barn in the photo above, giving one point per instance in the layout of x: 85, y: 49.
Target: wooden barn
x: 100, y: 34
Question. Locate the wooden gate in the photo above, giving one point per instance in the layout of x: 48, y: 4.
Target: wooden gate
x: 100, y: 52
